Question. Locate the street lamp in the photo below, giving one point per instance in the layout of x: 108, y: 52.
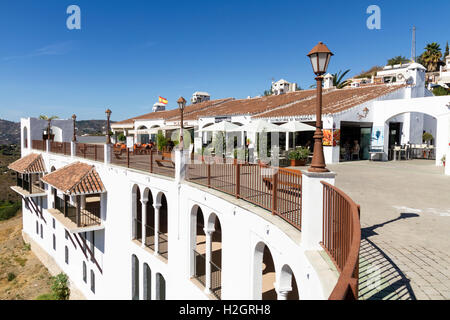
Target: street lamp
x: 108, y: 115
x: 74, y: 119
x: 320, y: 57
x: 181, y: 104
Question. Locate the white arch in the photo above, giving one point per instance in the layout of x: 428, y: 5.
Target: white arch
x: 58, y: 132
x: 257, y: 279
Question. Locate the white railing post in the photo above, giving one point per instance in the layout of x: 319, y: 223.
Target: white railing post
x: 108, y: 153
x: 73, y: 148
x: 312, y: 207
x: 181, y: 158
x: 47, y: 145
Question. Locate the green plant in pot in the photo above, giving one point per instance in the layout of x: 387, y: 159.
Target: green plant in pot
x: 298, y: 156
x: 427, y: 137
x: 443, y: 160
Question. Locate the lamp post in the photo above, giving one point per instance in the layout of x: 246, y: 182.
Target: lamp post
x: 108, y: 115
x: 181, y: 104
x: 320, y: 57
x: 74, y: 137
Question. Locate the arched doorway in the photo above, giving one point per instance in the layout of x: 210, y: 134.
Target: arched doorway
x: 215, y: 259
x: 143, y: 137
x: 149, y: 220
x: 288, y: 289
x: 163, y: 230
x: 264, y: 275
x: 198, y: 245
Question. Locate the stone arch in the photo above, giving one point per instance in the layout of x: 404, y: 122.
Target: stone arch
x: 149, y: 221
x: 287, y: 283
x: 162, y: 224
x: 264, y: 274
x: 197, y: 242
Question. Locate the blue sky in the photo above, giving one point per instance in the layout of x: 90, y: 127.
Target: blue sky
x: 128, y: 53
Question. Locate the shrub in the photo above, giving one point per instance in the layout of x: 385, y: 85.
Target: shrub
x: 11, y: 276
x: 9, y: 211
x: 161, y: 141
x: 427, y: 137
x: 60, y: 288
x: 46, y: 296
x: 441, y: 91
x: 121, y: 137
x: 300, y: 153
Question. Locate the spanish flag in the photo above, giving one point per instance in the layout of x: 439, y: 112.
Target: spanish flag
x: 162, y: 100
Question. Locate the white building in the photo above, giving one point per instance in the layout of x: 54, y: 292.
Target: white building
x: 199, y: 96
x: 132, y: 232
x: 158, y: 107
x: 282, y: 86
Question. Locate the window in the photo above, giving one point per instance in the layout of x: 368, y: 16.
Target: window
x: 54, y: 223
x: 54, y: 242
x: 147, y: 282
x: 67, y: 235
x: 66, y: 252
x: 92, y: 281
x: 84, y: 272
x: 42, y: 232
x: 37, y: 227
x: 134, y: 277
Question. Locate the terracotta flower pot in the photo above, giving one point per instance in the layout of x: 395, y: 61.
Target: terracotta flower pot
x: 298, y: 162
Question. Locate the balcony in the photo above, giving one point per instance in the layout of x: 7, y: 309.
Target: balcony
x: 29, y: 185
x: 78, y: 218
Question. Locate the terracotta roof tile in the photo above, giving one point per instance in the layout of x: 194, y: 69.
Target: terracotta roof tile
x: 333, y: 101
x: 32, y: 163
x: 76, y: 178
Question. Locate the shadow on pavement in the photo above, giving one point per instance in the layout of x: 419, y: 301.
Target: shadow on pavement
x: 379, y: 277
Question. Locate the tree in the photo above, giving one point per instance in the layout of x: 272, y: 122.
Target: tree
x: 44, y: 117
x: 397, y: 60
x: 447, y: 53
x: 432, y: 56
x: 268, y: 92
x: 338, y: 79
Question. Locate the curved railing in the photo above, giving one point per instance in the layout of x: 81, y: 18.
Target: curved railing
x: 341, y: 240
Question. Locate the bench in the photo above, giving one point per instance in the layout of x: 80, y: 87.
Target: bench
x: 164, y: 160
x: 295, y: 186
x: 375, y: 151
x: 118, y: 153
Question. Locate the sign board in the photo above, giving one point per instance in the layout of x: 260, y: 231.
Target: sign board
x: 378, y: 137
x: 130, y: 142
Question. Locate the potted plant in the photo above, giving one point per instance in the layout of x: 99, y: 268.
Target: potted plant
x: 427, y: 137
x: 298, y: 156
x: 443, y: 160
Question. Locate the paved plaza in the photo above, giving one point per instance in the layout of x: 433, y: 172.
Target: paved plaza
x: 405, y: 221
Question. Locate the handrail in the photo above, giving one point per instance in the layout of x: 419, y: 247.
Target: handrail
x: 342, y: 248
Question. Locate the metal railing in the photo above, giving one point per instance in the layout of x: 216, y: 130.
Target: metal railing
x: 38, y: 145
x: 94, y: 152
x: 216, y: 280
x: 163, y: 245
x: 341, y: 240
x: 275, y: 189
x: 149, y: 237
x: 90, y: 216
x: 138, y: 229
x: 60, y: 147
x: 146, y: 160
x: 200, y: 267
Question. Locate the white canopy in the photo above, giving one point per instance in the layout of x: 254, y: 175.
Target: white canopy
x: 295, y: 126
x: 225, y: 126
x: 262, y: 125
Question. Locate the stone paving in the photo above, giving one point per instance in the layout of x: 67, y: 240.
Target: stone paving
x: 405, y: 221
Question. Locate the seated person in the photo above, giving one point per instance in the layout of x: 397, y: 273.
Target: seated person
x: 355, y: 150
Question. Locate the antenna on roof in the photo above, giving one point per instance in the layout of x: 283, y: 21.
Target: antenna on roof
x: 413, y: 45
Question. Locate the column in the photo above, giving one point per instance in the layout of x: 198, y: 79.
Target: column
x: 282, y: 293
x: 108, y: 153
x: 287, y: 140
x: 312, y: 207
x: 157, y: 206
x: 47, y: 145
x: 208, y: 233
x: 144, y: 221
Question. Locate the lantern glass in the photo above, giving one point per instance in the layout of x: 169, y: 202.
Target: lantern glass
x: 319, y: 62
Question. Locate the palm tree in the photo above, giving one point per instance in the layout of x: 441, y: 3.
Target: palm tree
x: 432, y: 56
x: 337, y: 79
x: 397, y: 60
x: 44, y: 117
